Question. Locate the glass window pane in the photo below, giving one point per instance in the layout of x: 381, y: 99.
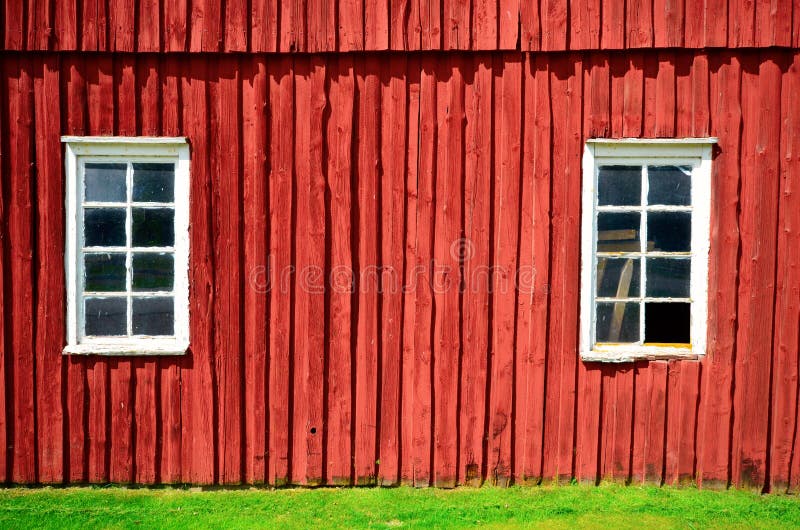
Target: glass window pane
x: 153, y: 227
x: 618, y: 277
x: 153, y: 182
x: 104, y: 272
x: 106, y: 316
x: 153, y: 272
x: 667, y: 323
x: 667, y: 277
x: 669, y: 231
x: 619, y: 186
x: 104, y: 227
x: 618, y: 232
x: 669, y: 185
x: 105, y: 182
x: 153, y: 316
x: 617, y: 322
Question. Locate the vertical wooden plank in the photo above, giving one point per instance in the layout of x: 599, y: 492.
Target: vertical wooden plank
x: 665, y: 94
x: 532, y: 275
x: 121, y: 14
x: 227, y: 240
x: 398, y: 27
x: 408, y: 407
x: 554, y: 26
x: 376, y: 25
x: 787, y: 308
x: 254, y: 137
x: 176, y: 22
x: 392, y: 215
x: 694, y: 34
x: 50, y: 273
x: 456, y: 24
x: 447, y: 270
x: 741, y: 29
x: 321, y: 23
x: 281, y: 104
x: 264, y: 26
x: 773, y: 23
x: 14, y: 30
x: 668, y: 18
x: 650, y: 424
x: 430, y: 18
x: 566, y: 89
x: 485, y: 24
x: 477, y: 211
x: 633, y: 92
x: 23, y: 442
x: 715, y: 397
x: 596, y: 101
x: 340, y: 127
x: 148, y: 28
x: 585, y: 23
x: 309, y: 289
x: 198, y: 447
x: 5, y: 258
x: 716, y: 34
x: 167, y: 378
x: 351, y: 29
x: 612, y: 27
x: 74, y: 109
x: 205, y: 21
x: 121, y: 411
x: 365, y: 266
x: 530, y: 26
x: 236, y: 26
x: 422, y: 384
x: 691, y: 87
x: 40, y: 30
x: 65, y: 22
x: 507, y: 145
x: 509, y: 23
x: 639, y: 22
x: 758, y: 218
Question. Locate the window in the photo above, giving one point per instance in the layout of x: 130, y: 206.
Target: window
x: 644, y: 267
x: 127, y: 245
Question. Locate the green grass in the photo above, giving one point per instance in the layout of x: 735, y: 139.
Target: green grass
x: 607, y: 506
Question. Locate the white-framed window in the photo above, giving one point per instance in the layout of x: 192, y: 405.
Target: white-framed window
x: 644, y: 251
x: 127, y: 245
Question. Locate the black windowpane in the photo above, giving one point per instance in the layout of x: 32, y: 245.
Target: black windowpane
x: 670, y: 185
x: 619, y: 186
x: 617, y: 322
x: 106, y: 317
x: 104, y: 272
x: 153, y: 182
x: 153, y: 316
x: 153, y: 272
x: 104, y: 227
x: 618, y: 277
x: 153, y: 227
x: 667, y: 323
x: 105, y: 182
x: 668, y: 277
x: 618, y: 232
x: 669, y: 231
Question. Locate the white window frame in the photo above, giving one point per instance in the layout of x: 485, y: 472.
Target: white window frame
x: 694, y: 152
x: 78, y: 149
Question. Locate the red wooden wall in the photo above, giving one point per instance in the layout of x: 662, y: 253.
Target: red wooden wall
x: 387, y: 159
x: 348, y: 25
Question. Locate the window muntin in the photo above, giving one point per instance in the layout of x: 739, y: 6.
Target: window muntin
x: 127, y: 245
x: 645, y: 249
